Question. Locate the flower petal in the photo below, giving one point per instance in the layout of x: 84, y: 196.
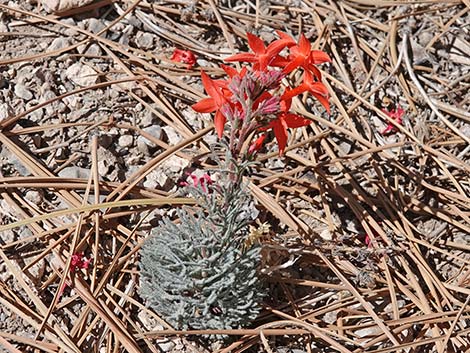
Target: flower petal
x: 280, y: 132
x: 304, y: 45
x: 206, y: 105
x: 293, y: 64
x: 248, y: 57
x: 319, y: 57
x: 256, y: 44
x: 211, y: 88
x: 289, y: 40
x: 294, y: 121
x: 219, y: 122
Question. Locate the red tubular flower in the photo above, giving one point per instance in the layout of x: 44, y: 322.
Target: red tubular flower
x: 317, y: 89
x: 184, y: 56
x: 284, y: 121
x: 256, y: 146
x: 301, y: 55
x: 214, y: 103
x: 262, y: 56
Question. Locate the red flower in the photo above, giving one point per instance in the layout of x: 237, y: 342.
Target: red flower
x: 256, y: 146
x: 214, y: 103
x: 262, y: 56
x: 79, y: 262
x: 284, y: 121
x: 395, y: 114
x: 184, y: 56
x: 301, y: 55
x: 317, y: 89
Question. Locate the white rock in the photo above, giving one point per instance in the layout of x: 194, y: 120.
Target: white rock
x: 368, y: 332
x: 172, y: 135
x: 34, y: 196
x: 166, y: 346
x: 5, y: 111
x: 22, y: 92
x: 144, y: 40
x: 74, y: 172
x: 174, y: 164
x: 59, y: 43
x: 126, y: 140
x: 155, y: 179
x: 143, y: 144
x: 63, y: 5
x: 81, y: 75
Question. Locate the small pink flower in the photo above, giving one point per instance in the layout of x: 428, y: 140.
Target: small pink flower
x: 79, y: 261
x: 203, y: 181
x: 395, y: 114
x: 184, y: 56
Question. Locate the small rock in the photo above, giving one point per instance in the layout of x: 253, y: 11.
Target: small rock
x: 146, y: 320
x: 368, y: 332
x: 5, y: 111
x: 143, y: 143
x: 174, y: 164
x: 172, y: 136
x: 94, y: 50
x: 126, y: 140
x: 156, y: 179
x: 34, y: 196
x: 63, y: 5
x: 94, y: 25
x: 166, y: 346
x: 331, y: 317
x: 3, y: 28
x: 144, y: 40
x: 7, y: 236
x: 148, y: 119
x: 11, y: 158
x: 59, y: 43
x: 81, y: 75
x: 74, y: 172
x: 22, y: 92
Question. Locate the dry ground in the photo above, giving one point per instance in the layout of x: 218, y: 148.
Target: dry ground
x: 96, y: 131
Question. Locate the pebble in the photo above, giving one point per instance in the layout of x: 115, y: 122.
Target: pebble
x: 147, y: 119
x: 3, y: 27
x: 5, y: 111
x: 81, y: 75
x: 143, y: 143
x: 22, y: 92
x: 59, y: 43
x: 12, y: 159
x: 144, y: 40
x: 34, y: 196
x: 367, y: 332
x: 126, y: 140
x: 74, y: 172
x: 63, y: 5
x: 172, y: 136
x: 166, y: 346
x: 94, y: 25
x: 156, y: 179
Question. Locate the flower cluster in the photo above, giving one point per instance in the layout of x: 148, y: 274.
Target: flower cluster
x: 254, y: 100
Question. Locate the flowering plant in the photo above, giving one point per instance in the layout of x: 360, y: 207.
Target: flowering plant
x: 254, y: 100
